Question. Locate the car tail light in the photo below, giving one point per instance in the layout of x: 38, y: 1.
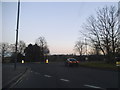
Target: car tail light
x: 78, y: 61
x: 70, y: 61
x: 74, y: 61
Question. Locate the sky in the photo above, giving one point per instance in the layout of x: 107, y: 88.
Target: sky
x: 59, y: 22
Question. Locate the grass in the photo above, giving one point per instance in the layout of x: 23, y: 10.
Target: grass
x: 100, y: 65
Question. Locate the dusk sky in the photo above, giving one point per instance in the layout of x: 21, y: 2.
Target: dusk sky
x: 58, y: 22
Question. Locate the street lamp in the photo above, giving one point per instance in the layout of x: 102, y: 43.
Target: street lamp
x: 18, y: 13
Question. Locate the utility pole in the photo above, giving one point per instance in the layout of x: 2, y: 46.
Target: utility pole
x: 18, y: 13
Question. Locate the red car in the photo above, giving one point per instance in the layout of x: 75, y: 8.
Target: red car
x: 71, y: 62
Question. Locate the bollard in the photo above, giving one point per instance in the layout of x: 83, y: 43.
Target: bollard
x: 46, y: 61
x: 23, y: 61
x: 117, y: 63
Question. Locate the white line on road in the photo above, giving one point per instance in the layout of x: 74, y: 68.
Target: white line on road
x: 47, y: 76
x: 65, y: 80
x: 92, y: 86
x: 37, y: 73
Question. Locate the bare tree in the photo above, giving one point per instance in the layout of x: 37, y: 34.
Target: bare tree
x: 103, y: 30
x: 79, y: 46
x: 46, y: 50
x: 12, y: 47
x: 4, y: 49
x: 41, y: 42
x: 21, y: 47
x: 107, y: 25
x: 93, y: 33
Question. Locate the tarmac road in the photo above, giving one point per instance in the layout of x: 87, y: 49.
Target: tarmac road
x: 0, y: 75
x: 56, y: 75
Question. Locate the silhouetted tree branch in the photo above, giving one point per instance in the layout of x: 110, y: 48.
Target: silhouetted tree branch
x: 103, y: 31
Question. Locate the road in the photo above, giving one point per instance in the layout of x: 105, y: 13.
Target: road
x: 56, y: 75
x: 0, y: 72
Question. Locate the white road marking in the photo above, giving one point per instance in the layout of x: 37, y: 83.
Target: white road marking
x: 20, y: 81
x: 47, y: 76
x: 37, y: 73
x: 65, y: 80
x: 92, y: 86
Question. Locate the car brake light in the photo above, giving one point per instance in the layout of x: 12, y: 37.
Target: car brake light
x: 77, y: 61
x: 70, y: 61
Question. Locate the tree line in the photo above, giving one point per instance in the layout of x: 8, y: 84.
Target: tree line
x: 37, y: 52
x: 102, y: 34
x: 31, y: 53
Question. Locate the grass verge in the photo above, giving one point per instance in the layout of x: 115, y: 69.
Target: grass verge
x: 100, y: 65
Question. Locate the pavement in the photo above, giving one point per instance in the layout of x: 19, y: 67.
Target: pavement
x: 11, y: 76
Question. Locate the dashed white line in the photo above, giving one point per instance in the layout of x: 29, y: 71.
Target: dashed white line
x: 47, y: 76
x: 37, y: 73
x: 65, y: 80
x: 92, y: 86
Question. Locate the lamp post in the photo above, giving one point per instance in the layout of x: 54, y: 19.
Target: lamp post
x: 18, y: 12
